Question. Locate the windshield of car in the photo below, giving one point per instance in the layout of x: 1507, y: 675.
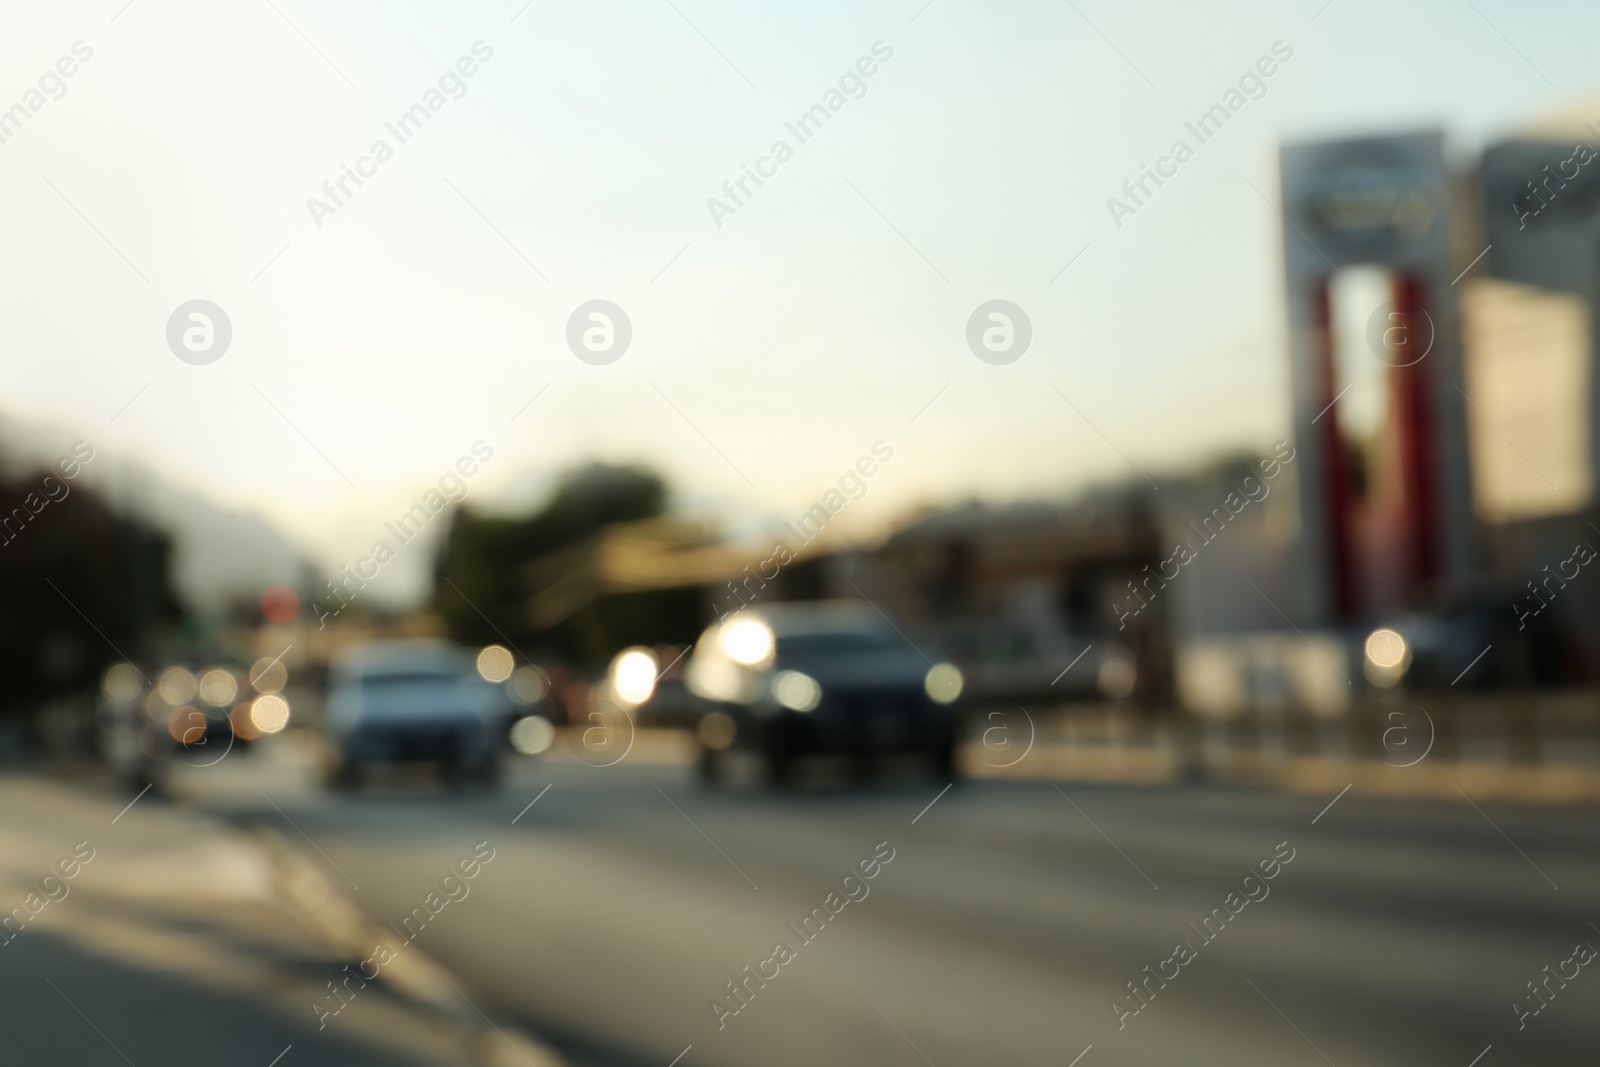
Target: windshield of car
x: 418, y: 693
x: 408, y: 678
x: 829, y: 644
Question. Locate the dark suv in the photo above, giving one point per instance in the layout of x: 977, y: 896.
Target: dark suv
x: 795, y: 679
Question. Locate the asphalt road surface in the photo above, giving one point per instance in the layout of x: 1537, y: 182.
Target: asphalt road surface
x: 1010, y: 917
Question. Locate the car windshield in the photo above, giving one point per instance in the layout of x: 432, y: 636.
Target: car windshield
x: 408, y: 678
x: 829, y: 644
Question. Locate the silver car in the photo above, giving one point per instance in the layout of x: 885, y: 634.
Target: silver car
x: 411, y: 701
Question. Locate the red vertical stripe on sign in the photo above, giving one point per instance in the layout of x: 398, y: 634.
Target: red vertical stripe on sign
x: 1419, y: 468
x: 1337, y: 486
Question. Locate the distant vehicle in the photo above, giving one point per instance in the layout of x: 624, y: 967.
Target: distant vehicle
x: 412, y: 701
x: 1007, y: 660
x: 1474, y: 645
x: 795, y: 679
x: 670, y: 704
x: 198, y: 718
x: 530, y: 691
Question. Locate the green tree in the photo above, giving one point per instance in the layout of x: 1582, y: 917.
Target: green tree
x: 80, y: 587
x: 484, y: 580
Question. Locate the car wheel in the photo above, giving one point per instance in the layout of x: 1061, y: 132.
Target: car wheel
x: 862, y: 767
x: 493, y: 771
x: 453, y: 773
x: 461, y: 775
x: 344, y: 776
x: 943, y: 758
x: 709, y: 766
x: 781, y: 763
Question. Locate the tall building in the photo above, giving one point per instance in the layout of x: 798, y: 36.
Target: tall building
x: 1530, y: 320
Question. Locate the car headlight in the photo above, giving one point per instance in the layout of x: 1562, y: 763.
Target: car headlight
x: 633, y: 675
x: 943, y: 683
x: 532, y: 734
x: 217, y: 687
x: 796, y: 691
x: 747, y: 641
x: 1387, y: 657
x: 495, y: 664
x: 269, y: 713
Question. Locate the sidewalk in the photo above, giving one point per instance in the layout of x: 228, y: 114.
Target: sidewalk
x: 1433, y: 778
x: 181, y: 942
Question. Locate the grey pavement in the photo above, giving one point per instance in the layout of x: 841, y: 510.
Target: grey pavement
x: 174, y: 945
x: 1013, y: 913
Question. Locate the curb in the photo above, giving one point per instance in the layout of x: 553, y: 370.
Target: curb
x: 1438, y: 779
x: 413, y: 976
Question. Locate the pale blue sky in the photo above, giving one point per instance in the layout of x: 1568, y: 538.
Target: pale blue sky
x: 793, y: 337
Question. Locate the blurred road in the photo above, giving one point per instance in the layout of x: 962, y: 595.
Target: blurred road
x: 1010, y: 916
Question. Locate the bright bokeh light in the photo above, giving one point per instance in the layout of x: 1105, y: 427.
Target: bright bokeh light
x: 268, y: 675
x: 177, y: 686
x: 242, y: 719
x: 796, y: 691
x: 1387, y: 656
x: 943, y: 683
x: 527, y: 685
x: 495, y: 663
x: 532, y: 735
x: 270, y: 713
x: 122, y: 684
x: 747, y: 641
x: 715, y: 677
x: 633, y: 675
x: 1386, y: 649
x: 218, y: 687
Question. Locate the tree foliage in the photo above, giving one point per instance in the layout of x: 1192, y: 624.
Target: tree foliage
x: 484, y: 576
x: 80, y: 587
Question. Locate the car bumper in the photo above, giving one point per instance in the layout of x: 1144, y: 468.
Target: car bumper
x: 869, y: 721
x: 415, y: 742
